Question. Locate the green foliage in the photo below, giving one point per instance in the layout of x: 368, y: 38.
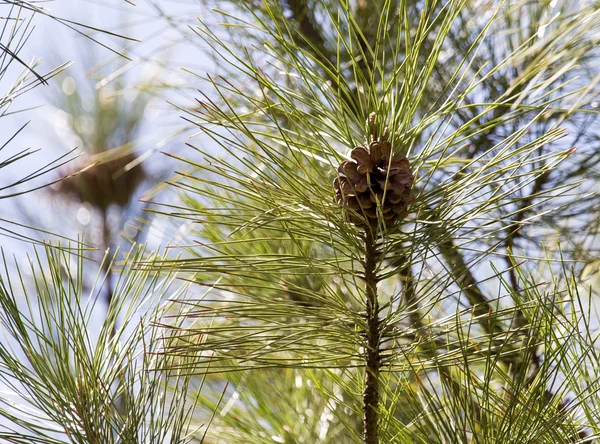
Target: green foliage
x: 72, y: 380
x: 65, y: 376
x: 471, y: 320
x: 462, y: 358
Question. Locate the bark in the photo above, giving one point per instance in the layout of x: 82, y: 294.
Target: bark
x: 373, y: 350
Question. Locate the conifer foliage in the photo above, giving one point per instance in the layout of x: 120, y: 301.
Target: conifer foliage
x: 384, y: 231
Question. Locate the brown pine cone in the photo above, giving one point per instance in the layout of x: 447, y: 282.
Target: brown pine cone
x: 103, y: 184
x: 373, y: 186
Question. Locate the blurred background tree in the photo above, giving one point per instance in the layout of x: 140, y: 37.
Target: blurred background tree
x: 106, y: 179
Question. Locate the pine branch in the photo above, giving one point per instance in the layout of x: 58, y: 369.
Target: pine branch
x: 371, y: 397
x: 410, y: 292
x: 464, y: 278
x: 312, y: 40
x: 303, y: 15
x: 277, y: 298
x: 456, y: 263
x: 514, y: 230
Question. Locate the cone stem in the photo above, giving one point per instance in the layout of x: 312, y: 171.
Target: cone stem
x: 373, y: 352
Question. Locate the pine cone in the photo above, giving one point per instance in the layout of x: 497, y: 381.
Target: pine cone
x: 103, y: 184
x: 373, y: 179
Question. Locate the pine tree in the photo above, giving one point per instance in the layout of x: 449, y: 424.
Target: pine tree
x: 389, y: 239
